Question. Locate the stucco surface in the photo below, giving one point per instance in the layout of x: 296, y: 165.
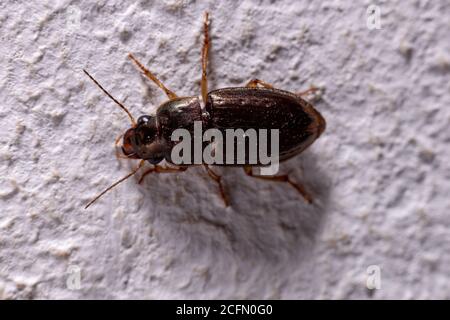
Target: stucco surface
x: 379, y: 174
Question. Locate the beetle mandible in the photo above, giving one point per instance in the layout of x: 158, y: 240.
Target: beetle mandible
x: 257, y: 105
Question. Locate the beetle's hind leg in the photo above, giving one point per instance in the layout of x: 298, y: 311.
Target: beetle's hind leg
x: 205, y: 55
x: 170, y: 94
x: 255, y: 82
x: 283, y: 178
x: 312, y: 89
x: 313, y: 94
x: 218, y: 180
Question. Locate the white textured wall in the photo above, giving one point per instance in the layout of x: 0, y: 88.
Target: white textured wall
x: 380, y: 174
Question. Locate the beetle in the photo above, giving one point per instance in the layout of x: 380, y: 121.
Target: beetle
x: 257, y: 105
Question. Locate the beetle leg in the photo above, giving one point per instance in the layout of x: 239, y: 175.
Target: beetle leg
x: 152, y: 77
x: 283, y: 178
x: 205, y: 51
x: 159, y: 169
x: 312, y: 89
x: 218, y: 180
x: 254, y: 84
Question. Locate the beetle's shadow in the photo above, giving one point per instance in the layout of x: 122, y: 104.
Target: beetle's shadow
x: 266, y: 220
x: 273, y: 221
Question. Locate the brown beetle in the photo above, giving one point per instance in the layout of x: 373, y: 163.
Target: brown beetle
x: 257, y: 105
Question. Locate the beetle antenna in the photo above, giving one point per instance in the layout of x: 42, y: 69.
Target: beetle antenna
x: 141, y: 163
x: 115, y: 100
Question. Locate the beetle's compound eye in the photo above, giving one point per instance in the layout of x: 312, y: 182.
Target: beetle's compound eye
x: 143, y: 120
x: 145, y: 134
x: 146, y: 130
x: 127, y: 146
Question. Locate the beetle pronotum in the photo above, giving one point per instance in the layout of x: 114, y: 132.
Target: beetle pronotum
x: 257, y: 105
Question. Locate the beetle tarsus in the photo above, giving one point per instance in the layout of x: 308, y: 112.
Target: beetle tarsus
x: 312, y: 89
x: 218, y: 180
x: 255, y: 82
x: 313, y: 94
x: 283, y: 178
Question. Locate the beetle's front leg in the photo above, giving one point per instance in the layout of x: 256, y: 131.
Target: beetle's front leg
x: 283, y: 178
x: 159, y: 169
x: 255, y: 82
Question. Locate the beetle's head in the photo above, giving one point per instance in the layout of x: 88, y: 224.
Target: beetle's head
x: 143, y: 142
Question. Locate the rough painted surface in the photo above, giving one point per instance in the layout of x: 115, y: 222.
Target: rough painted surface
x: 380, y: 174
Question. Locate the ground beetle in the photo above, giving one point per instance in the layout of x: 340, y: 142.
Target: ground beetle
x: 257, y: 105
